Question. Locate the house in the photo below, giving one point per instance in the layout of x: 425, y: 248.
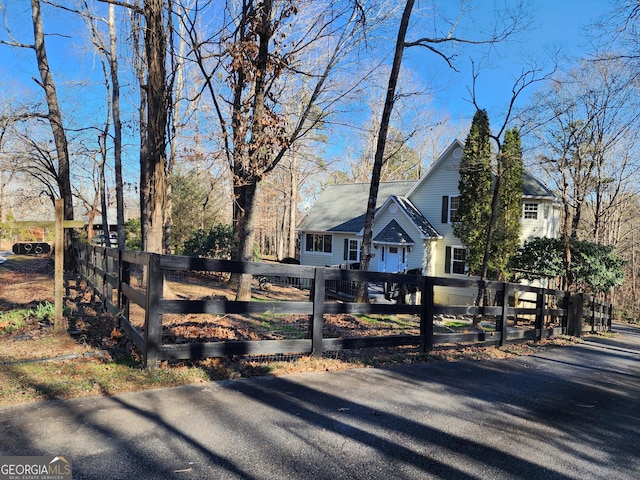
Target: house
x: 413, y: 221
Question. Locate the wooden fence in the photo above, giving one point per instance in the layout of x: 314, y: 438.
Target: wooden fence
x: 154, y: 296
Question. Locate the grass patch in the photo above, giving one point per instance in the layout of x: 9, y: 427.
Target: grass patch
x: 13, y: 320
x: 454, y: 324
x: 86, y: 376
x: 19, y: 318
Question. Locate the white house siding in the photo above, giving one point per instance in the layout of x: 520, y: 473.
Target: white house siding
x: 338, y: 247
x: 428, y: 194
x: 546, y: 225
x: 316, y: 259
x: 442, y: 181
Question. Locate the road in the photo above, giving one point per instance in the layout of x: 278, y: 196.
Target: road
x: 565, y: 413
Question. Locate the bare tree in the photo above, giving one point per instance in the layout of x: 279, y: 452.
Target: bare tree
x: 117, y: 124
x: 259, y: 52
x: 152, y: 18
x: 586, y: 121
x: 54, y: 117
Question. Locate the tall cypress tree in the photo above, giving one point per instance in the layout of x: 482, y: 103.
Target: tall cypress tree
x: 506, y: 239
x: 475, y: 191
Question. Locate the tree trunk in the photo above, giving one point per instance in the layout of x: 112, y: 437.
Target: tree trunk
x: 281, y: 231
x: 293, y: 207
x: 153, y: 189
x: 367, y: 239
x: 243, y: 231
x: 117, y: 125
x: 103, y: 188
x: 566, y: 234
x: 57, y: 128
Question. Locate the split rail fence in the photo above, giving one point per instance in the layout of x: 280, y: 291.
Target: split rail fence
x: 304, y: 310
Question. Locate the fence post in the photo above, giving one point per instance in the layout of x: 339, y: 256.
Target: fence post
x: 541, y: 302
x: 152, y: 319
x: 317, y: 319
x: 124, y: 276
x: 576, y: 312
x: 566, y: 306
x: 609, y: 316
x: 506, y: 290
x: 426, y: 315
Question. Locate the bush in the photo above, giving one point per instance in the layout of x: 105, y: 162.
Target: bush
x: 594, y: 268
x: 216, y: 243
x: 133, y: 234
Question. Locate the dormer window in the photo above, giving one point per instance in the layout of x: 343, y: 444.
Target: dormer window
x: 530, y: 211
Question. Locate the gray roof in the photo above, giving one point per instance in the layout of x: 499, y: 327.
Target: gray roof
x: 534, y: 188
x: 419, y: 220
x: 394, y: 233
x: 342, y: 207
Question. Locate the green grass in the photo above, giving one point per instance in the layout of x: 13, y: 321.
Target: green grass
x: 13, y: 320
x: 454, y: 324
x: 18, y: 318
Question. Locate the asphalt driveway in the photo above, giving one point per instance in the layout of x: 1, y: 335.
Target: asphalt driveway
x: 566, y: 413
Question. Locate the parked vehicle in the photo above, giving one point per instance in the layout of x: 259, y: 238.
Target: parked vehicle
x: 98, y: 239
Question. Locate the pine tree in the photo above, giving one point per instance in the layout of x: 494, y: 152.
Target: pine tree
x: 506, y: 239
x: 475, y: 191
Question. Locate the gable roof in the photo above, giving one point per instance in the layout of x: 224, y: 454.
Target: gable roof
x: 532, y: 187
x: 435, y: 165
x: 394, y: 233
x: 342, y: 207
x: 413, y: 214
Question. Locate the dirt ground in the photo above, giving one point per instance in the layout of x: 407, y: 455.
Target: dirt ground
x: 26, y: 283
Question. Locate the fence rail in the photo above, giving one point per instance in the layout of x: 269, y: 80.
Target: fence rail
x: 154, y: 296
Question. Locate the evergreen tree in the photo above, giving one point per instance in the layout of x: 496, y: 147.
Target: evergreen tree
x: 475, y: 192
x: 506, y: 239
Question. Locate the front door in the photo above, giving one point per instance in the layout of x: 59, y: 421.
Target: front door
x: 392, y: 259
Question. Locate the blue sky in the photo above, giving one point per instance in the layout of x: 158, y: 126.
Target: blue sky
x: 554, y: 24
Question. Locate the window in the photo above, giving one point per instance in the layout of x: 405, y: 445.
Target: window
x: 454, y: 204
x: 351, y: 250
x: 455, y: 260
x: 318, y: 243
x: 450, y: 207
x: 531, y: 211
x: 458, y: 260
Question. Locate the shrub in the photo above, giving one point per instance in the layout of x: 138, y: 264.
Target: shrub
x: 216, y: 243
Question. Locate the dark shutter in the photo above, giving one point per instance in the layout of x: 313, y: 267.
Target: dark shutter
x: 447, y: 260
x: 345, y: 256
x: 445, y: 209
